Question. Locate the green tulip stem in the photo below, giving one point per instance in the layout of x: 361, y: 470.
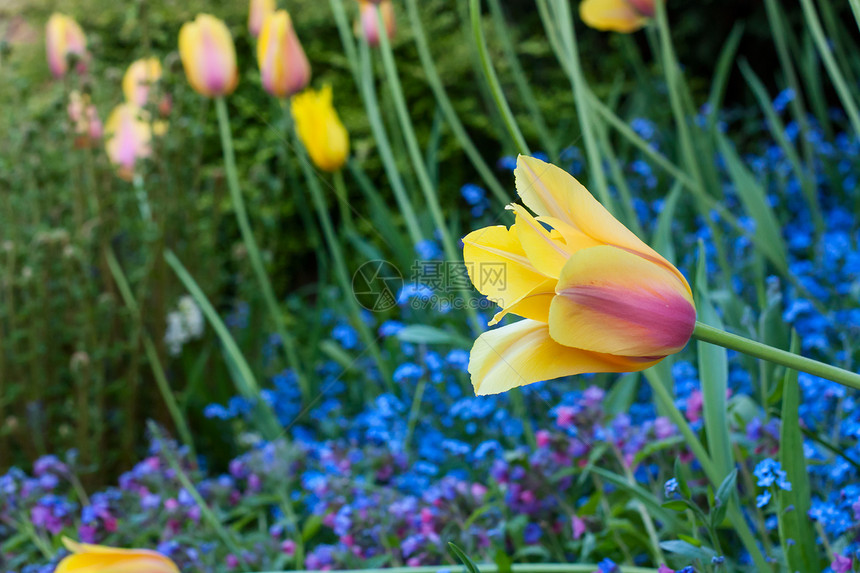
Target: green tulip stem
x: 712, y: 335
x: 275, y: 311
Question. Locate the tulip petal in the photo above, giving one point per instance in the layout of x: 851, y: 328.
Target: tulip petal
x: 553, y: 192
x: 88, y: 558
x: 546, y: 254
x: 498, y: 265
x: 613, y: 301
x: 612, y: 15
x: 523, y: 353
x: 534, y: 304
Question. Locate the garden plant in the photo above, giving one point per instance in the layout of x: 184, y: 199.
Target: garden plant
x: 533, y: 286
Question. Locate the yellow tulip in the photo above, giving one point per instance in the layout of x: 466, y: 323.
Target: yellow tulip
x: 87, y: 558
x: 128, y: 137
x: 368, y: 22
x: 623, y: 16
x: 208, y: 56
x: 595, y: 298
x: 320, y: 129
x: 257, y: 12
x: 284, y: 67
x: 63, y: 36
x: 138, y: 78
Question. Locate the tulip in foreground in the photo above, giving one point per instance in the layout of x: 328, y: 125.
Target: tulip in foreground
x: 257, y: 12
x: 595, y: 298
x: 368, y: 21
x: 284, y: 67
x: 87, y: 558
x: 63, y: 37
x: 623, y: 16
x: 320, y: 129
x: 208, y: 56
x: 128, y: 138
x: 139, y: 78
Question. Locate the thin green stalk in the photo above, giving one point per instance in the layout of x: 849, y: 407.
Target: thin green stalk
x: 855, y: 7
x: 151, y: 353
x: 570, y: 53
x: 521, y: 82
x: 418, y: 165
x: 493, y: 80
x: 842, y: 88
x: 631, y: 220
x: 779, y: 33
x: 363, y: 74
x: 414, y: 410
x: 245, y: 381
x: 142, y: 199
x: 670, y: 69
x: 448, y: 109
x: 275, y: 311
x: 778, y: 131
x: 342, y: 200
x: 713, y: 335
x: 340, y: 266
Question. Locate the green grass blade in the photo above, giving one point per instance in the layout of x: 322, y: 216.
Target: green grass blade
x: 714, y: 375
x: 448, y: 109
x: 777, y: 129
x: 246, y: 382
x: 493, y: 80
x: 754, y: 200
x: 836, y: 76
x: 803, y: 555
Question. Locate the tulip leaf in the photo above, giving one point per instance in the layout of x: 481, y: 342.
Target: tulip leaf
x: 754, y: 200
x: 662, y: 239
x: 688, y: 550
x: 458, y: 553
x: 793, y: 524
x: 240, y: 370
x: 713, y: 375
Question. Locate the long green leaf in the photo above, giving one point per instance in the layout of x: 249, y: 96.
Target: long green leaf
x: 755, y: 203
x: 802, y: 555
x: 713, y: 374
x: 246, y: 383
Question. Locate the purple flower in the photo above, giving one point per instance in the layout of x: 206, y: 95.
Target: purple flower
x: 841, y: 564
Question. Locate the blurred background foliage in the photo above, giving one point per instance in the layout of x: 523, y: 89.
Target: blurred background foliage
x: 74, y: 372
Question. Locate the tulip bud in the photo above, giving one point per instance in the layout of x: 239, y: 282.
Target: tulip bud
x: 644, y: 7
x: 208, y: 56
x: 623, y: 16
x: 64, y: 37
x: 320, y: 129
x: 102, y: 559
x: 368, y: 21
x: 128, y: 138
x: 284, y: 67
x: 85, y: 119
x: 138, y: 79
x: 257, y: 12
